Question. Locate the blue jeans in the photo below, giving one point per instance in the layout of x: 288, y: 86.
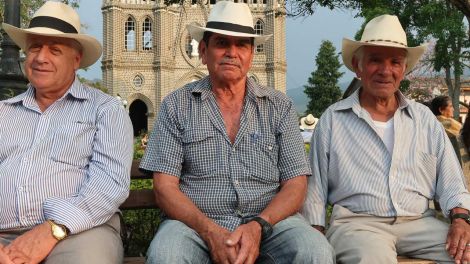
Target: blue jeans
x: 292, y: 241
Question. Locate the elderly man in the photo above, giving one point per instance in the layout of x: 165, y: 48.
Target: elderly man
x: 380, y: 158
x: 228, y: 160
x: 65, y: 151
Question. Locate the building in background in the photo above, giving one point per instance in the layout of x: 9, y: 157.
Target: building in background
x: 148, y: 52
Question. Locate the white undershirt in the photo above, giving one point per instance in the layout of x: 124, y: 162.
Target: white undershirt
x: 386, y: 133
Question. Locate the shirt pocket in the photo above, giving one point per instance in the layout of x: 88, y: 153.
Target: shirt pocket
x: 425, y: 171
x: 200, y: 149
x: 73, y: 144
x: 261, y: 158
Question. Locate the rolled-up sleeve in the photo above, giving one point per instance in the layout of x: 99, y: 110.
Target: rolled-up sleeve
x: 164, y: 152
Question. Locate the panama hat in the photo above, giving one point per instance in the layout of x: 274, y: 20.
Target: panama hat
x: 308, y: 122
x: 228, y: 18
x: 55, y: 19
x: 385, y: 31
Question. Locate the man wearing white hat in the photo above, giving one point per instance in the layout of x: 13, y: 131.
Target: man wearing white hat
x: 380, y: 158
x: 228, y: 160
x: 307, y: 125
x: 65, y: 151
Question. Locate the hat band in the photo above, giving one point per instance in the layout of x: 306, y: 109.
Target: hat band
x: 52, y: 22
x: 230, y: 27
x: 309, y: 123
x: 385, y: 40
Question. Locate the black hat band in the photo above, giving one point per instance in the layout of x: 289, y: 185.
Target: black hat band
x: 53, y: 23
x: 230, y: 27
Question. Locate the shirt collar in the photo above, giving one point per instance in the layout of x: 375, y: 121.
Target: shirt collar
x: 352, y: 102
x: 76, y: 90
x: 254, y: 90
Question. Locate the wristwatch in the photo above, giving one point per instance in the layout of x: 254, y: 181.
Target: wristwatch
x: 266, y: 228
x: 463, y: 216
x: 58, y: 231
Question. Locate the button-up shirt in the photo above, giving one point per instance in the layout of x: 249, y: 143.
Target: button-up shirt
x: 70, y: 163
x: 352, y: 167
x: 228, y: 182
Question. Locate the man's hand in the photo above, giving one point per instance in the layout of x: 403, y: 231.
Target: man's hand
x: 248, y: 238
x: 4, y: 259
x: 215, y: 238
x: 458, y: 241
x: 35, y: 244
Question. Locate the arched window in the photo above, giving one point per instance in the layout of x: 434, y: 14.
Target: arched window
x: 147, y: 34
x: 130, y: 34
x: 259, y: 29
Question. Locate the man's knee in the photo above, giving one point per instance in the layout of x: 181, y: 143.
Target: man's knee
x: 101, y: 244
x: 299, y: 243
x: 177, y: 243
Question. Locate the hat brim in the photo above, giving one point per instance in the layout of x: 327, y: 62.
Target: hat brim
x: 197, y: 32
x: 91, y: 47
x: 303, y: 125
x: 350, y: 46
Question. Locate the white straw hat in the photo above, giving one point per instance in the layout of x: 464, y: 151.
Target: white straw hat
x: 55, y: 19
x: 308, y: 122
x: 228, y: 18
x: 386, y: 31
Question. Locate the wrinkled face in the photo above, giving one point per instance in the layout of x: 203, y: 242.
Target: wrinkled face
x: 381, y: 70
x: 228, y: 58
x: 51, y: 63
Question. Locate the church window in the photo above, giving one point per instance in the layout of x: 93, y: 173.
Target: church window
x: 138, y: 81
x: 259, y: 29
x: 130, y: 34
x: 147, y: 35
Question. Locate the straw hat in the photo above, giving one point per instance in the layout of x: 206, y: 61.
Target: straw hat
x: 229, y: 18
x: 55, y: 19
x: 386, y: 31
x: 308, y: 122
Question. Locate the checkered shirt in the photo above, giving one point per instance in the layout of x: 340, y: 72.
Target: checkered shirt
x: 228, y: 182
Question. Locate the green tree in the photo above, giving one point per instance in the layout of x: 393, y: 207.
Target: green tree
x: 322, y: 87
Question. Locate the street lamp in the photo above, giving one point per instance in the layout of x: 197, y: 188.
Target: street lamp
x: 12, y: 79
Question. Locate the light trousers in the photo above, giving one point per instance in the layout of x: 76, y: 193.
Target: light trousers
x: 360, y: 238
x: 292, y: 241
x: 99, y: 245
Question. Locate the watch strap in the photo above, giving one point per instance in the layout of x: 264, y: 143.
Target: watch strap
x: 266, y: 227
x: 463, y: 216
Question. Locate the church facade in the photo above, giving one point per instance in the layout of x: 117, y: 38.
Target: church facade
x: 148, y: 52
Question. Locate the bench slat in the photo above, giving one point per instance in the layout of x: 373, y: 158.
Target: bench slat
x: 139, y: 199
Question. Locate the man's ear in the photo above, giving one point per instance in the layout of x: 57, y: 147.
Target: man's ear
x: 202, y: 48
x: 355, y: 64
x: 78, y: 59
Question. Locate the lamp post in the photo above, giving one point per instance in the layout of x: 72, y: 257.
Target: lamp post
x: 12, y: 79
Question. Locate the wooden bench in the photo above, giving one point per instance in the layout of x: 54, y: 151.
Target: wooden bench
x: 145, y: 199
x: 138, y: 199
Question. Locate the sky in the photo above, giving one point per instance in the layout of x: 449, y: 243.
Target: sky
x: 303, y: 39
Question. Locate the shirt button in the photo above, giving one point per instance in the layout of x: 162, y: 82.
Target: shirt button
x: 20, y: 188
x: 25, y: 160
x: 236, y: 182
x: 233, y: 149
x: 270, y: 147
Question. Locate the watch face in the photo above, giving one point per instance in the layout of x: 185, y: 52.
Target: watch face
x: 58, y: 232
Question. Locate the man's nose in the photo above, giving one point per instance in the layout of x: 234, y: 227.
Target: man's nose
x: 230, y: 50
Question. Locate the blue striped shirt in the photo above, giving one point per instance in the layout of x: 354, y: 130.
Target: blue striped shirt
x: 352, y: 167
x: 70, y: 163
x: 228, y: 182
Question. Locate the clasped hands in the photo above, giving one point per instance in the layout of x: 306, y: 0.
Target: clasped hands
x: 238, y: 247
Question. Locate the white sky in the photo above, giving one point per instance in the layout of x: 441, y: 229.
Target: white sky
x: 303, y: 39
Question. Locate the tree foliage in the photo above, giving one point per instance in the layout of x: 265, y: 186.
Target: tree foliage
x: 322, y: 87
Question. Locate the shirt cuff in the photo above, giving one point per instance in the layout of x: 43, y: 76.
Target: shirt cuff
x: 461, y: 200
x: 315, y: 214
x: 65, y: 213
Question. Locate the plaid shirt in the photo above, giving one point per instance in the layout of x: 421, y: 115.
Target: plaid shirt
x: 228, y: 182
